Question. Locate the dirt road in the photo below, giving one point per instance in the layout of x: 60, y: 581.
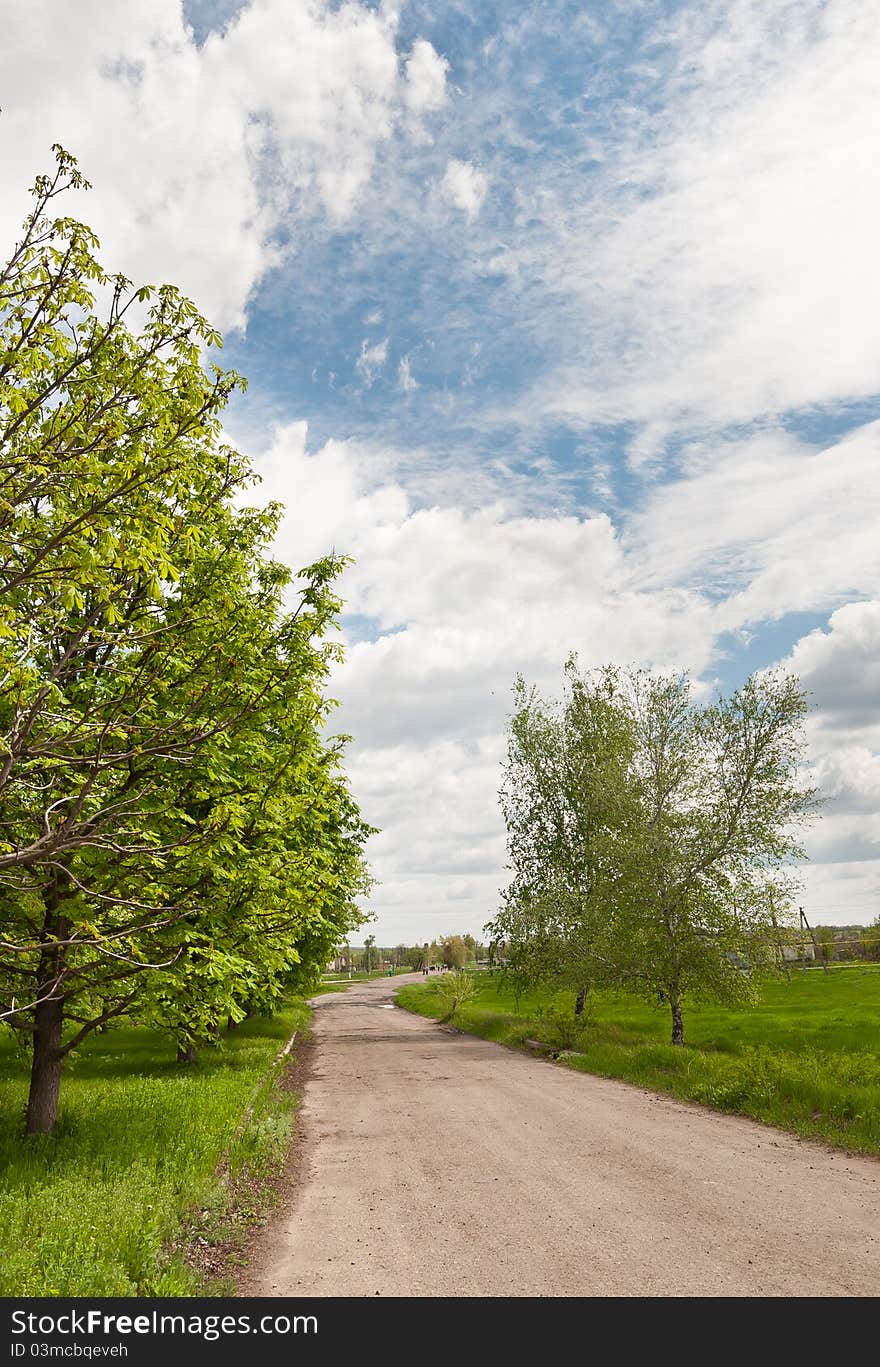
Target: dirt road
x: 439, y: 1164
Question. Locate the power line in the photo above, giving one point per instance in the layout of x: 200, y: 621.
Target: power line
x: 836, y: 906
x: 866, y: 940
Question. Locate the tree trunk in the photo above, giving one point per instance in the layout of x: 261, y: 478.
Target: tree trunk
x: 581, y: 1001
x: 186, y: 1053
x: 42, y: 1107
x: 47, y: 1060
x: 677, y: 1021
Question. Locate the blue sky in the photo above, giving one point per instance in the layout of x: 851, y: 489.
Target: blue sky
x: 562, y: 319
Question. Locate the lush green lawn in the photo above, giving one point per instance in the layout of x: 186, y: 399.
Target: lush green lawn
x: 92, y: 1210
x: 805, y: 1058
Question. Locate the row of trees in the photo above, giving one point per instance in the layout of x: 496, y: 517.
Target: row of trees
x: 649, y: 837
x: 453, y: 951
x: 846, y: 944
x: 177, y: 840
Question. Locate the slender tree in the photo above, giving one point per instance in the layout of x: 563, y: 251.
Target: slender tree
x: 706, y: 867
x: 565, y: 795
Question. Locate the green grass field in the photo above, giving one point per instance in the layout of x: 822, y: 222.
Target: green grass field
x: 805, y: 1058
x: 94, y: 1209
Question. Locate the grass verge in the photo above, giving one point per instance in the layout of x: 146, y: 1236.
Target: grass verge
x: 148, y: 1158
x: 804, y: 1058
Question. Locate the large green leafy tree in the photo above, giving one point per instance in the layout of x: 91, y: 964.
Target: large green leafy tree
x: 453, y: 951
x: 282, y: 872
x: 650, y: 838
x: 145, y: 661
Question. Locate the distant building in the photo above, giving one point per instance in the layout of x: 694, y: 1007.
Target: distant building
x: 797, y: 950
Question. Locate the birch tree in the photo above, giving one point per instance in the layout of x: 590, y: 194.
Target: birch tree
x: 653, y: 840
x: 564, y: 797
x: 707, y: 870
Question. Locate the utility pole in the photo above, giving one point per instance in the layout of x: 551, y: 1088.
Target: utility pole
x: 805, y: 925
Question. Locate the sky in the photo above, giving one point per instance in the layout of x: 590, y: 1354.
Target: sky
x: 561, y: 319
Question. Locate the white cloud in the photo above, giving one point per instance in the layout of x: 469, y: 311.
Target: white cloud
x: 778, y: 526
x: 197, y: 152
x: 841, y: 668
x: 775, y: 527
x: 718, y: 263
x: 425, y: 88
x: 460, y: 601
x: 464, y: 186
x: 842, y: 892
x: 405, y: 378
x: 371, y: 359
x: 441, y: 852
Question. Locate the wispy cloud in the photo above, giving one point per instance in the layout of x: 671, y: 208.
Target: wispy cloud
x: 405, y: 377
x: 371, y: 360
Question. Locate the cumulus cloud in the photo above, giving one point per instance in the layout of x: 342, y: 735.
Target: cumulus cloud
x: 842, y: 891
x: 441, y: 853
x: 464, y: 186
x: 457, y: 602
x: 198, y: 151
x: 425, y: 78
x: 841, y: 668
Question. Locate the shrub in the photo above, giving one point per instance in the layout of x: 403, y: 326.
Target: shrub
x: 559, y: 1026
x: 455, y: 990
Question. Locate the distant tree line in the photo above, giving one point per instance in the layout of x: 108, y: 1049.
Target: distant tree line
x: 848, y: 944
x: 178, y: 843
x: 450, y: 951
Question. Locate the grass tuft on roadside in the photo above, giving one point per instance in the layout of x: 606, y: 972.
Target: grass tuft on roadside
x: 143, y: 1147
x: 803, y: 1059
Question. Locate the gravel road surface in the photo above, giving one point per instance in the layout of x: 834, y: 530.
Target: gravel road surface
x: 437, y: 1164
